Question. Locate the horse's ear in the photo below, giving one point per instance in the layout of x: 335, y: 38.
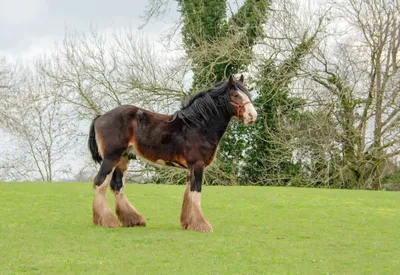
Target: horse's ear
x: 231, y: 80
x: 241, y: 79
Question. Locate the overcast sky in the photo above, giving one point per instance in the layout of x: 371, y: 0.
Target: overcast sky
x: 31, y: 26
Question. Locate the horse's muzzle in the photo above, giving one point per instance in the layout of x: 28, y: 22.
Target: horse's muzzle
x: 250, y: 115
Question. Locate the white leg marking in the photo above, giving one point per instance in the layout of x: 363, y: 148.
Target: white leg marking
x: 195, y: 197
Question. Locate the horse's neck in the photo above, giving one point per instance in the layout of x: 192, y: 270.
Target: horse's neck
x: 216, y: 128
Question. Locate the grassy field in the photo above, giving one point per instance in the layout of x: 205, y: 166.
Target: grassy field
x: 46, y: 229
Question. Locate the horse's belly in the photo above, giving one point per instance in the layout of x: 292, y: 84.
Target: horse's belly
x: 157, y: 162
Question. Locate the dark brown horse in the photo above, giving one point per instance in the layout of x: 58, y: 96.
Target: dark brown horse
x: 188, y: 139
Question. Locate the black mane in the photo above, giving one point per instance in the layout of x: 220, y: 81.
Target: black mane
x: 202, y: 107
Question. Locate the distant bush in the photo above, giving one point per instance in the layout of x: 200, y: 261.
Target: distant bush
x: 392, y: 182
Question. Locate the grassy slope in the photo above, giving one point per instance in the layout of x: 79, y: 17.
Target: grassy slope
x: 46, y: 229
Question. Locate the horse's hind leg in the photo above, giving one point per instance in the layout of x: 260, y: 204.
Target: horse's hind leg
x: 102, y: 214
x: 126, y: 212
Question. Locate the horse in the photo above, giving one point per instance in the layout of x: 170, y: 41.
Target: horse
x: 188, y: 139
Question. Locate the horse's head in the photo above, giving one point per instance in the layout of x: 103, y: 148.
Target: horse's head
x: 241, y: 102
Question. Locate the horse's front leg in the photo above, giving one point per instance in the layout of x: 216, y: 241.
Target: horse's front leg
x: 191, y: 216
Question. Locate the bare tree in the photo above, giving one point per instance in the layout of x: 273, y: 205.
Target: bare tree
x: 357, y: 85
x: 3, y: 73
x: 41, y: 128
x: 5, y: 83
x: 98, y: 72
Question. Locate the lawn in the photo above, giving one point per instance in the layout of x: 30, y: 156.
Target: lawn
x: 46, y: 229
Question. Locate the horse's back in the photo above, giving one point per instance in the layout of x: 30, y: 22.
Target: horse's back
x: 120, y: 127
x: 126, y: 114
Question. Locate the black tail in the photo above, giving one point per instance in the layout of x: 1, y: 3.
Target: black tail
x: 93, y: 144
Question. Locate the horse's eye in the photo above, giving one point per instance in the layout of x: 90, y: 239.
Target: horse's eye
x: 236, y: 95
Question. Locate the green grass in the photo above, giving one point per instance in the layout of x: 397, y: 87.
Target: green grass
x: 46, y: 229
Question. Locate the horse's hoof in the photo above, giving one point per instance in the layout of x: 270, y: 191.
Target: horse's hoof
x: 129, y: 217
x: 133, y: 221
x: 107, y: 220
x: 201, y: 227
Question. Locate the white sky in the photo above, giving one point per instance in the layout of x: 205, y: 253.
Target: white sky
x: 28, y: 27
